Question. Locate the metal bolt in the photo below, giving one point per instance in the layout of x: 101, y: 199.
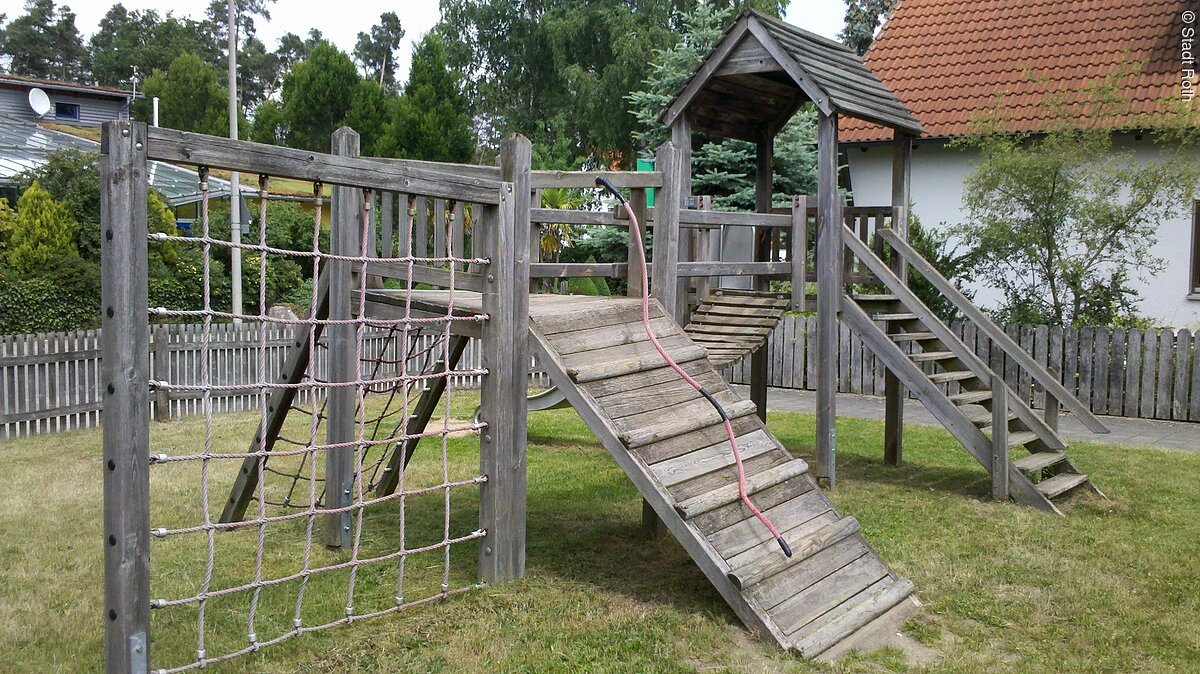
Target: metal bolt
x: 491, y: 278
x: 138, y: 145
x: 487, y: 550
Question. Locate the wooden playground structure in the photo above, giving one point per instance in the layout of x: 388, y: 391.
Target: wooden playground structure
x: 712, y: 305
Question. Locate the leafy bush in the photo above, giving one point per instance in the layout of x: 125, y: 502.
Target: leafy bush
x: 63, y: 295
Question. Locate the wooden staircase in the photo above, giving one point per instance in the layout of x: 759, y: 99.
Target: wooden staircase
x: 982, y: 413
x: 834, y: 594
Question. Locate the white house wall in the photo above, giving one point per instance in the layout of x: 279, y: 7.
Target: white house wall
x: 938, y: 174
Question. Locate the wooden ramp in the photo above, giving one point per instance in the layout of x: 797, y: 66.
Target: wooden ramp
x: 834, y: 594
x: 732, y: 324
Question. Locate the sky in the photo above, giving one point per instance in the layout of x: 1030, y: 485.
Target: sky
x: 417, y: 16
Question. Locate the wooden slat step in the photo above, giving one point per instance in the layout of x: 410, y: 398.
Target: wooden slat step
x: 1061, y: 483
x: 582, y: 374
x: 859, y: 611
x: 931, y: 356
x: 1039, y: 461
x: 828, y: 593
x: 899, y: 316
x: 750, y: 531
x: 970, y: 397
x: 591, y: 339
x: 957, y: 375
x: 729, y: 493
x: 874, y: 298
x: 804, y: 544
x: 672, y: 427
x: 983, y: 418
x: 1021, y: 438
x: 913, y: 337
x: 708, y: 459
x: 630, y: 416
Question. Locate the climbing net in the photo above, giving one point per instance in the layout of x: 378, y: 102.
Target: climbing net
x: 252, y: 547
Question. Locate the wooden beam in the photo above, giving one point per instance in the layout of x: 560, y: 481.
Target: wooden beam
x: 505, y: 354
x: 798, y: 253
x: 802, y: 79
x: 763, y: 191
x: 587, y: 179
x: 343, y: 364
x: 893, y: 392
x: 829, y: 293
x: 999, y: 438
x: 681, y: 138
x: 448, y: 181
x: 126, y: 415
x: 706, y: 70
x: 666, y: 232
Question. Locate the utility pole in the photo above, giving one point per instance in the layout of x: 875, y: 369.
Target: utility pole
x: 235, y: 192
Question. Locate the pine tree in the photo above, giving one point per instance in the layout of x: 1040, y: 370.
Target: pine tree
x: 317, y: 95
x: 44, y: 43
x: 43, y: 229
x: 432, y: 119
x: 192, y: 97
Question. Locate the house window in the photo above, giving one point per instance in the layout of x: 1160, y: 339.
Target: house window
x: 66, y: 111
x: 1194, y: 286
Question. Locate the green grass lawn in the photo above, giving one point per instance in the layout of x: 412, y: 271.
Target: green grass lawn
x: 1113, y: 587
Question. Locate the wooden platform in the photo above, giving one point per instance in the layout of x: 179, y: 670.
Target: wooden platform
x: 832, y: 593
x: 733, y: 324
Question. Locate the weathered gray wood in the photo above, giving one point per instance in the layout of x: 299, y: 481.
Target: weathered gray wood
x: 729, y: 493
x: 682, y: 444
x: 999, y: 439
x: 1166, y: 351
x: 750, y: 532
x: 387, y: 224
x: 1149, y: 370
x: 640, y: 362
x: 162, y: 372
x: 1179, y: 395
x: 638, y: 180
x: 502, y: 499
x: 419, y: 273
x: 444, y: 180
x: 829, y: 293
x: 125, y: 376
x: 342, y: 402
x: 804, y: 544
x: 708, y: 459
x: 635, y: 249
x: 829, y: 592
x: 798, y: 253
x: 421, y: 228
x: 672, y: 427
x: 1116, y: 373
x: 1194, y: 414
x: 873, y: 605
x: 666, y: 233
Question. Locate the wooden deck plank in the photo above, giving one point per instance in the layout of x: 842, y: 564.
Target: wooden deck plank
x: 775, y: 589
x: 711, y: 458
x: 827, y: 593
x: 750, y: 532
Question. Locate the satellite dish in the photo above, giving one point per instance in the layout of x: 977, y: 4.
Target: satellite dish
x: 39, y: 101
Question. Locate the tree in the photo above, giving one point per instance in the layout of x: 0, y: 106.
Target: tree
x: 43, y: 229
x: 44, y: 42
x: 725, y: 168
x: 376, y: 51
x: 192, y: 98
x: 1064, y: 221
x: 558, y: 67
x: 270, y: 124
x: 370, y: 114
x: 316, y: 96
x: 863, y: 18
x: 432, y: 119
x: 125, y: 39
x: 72, y: 178
x: 292, y: 49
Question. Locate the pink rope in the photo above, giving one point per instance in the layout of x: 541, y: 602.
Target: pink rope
x: 636, y: 234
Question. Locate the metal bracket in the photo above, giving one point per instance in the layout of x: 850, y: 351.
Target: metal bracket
x: 138, y: 653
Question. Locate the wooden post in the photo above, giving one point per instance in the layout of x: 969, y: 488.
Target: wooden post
x: 665, y: 273
x: 999, y: 438
x: 162, y: 372
x: 681, y: 138
x: 633, y: 281
x: 126, y: 416
x: 765, y: 150
x: 894, y: 394
x: 505, y: 352
x: 387, y: 224
x: 1050, y: 414
x: 829, y: 294
x: 341, y: 408
x: 798, y: 253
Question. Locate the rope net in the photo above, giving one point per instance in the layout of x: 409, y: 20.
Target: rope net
x: 239, y: 539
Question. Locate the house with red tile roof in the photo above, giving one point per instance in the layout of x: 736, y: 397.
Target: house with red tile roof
x: 951, y: 62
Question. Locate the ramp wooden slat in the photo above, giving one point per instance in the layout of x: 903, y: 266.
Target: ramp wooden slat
x: 673, y: 447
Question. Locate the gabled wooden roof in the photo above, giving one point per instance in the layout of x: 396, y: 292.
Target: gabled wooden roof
x: 763, y: 70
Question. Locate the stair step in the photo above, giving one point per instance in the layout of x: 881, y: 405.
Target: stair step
x: 970, y: 397
x: 983, y: 419
x: 930, y: 356
x: 901, y: 316
x: 874, y: 298
x: 958, y: 375
x: 1021, y: 438
x: 1061, y: 483
x: 698, y: 505
x: 1038, y: 461
x: 913, y: 337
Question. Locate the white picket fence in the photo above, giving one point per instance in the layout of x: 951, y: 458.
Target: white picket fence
x: 50, y: 382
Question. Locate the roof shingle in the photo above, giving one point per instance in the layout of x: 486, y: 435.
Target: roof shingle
x: 950, y: 61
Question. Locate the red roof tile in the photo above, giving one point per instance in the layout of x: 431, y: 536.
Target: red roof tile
x: 949, y: 61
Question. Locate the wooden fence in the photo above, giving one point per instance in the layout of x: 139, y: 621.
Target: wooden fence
x: 50, y: 382
x: 1151, y: 374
